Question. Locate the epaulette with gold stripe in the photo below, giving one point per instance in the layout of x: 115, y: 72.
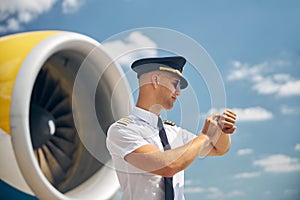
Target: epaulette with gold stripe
x: 124, y: 121
x: 169, y: 122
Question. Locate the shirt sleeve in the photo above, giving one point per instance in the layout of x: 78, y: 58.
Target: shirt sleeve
x: 122, y: 140
x: 187, y: 136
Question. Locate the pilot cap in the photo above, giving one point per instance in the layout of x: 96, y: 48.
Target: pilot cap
x: 172, y: 64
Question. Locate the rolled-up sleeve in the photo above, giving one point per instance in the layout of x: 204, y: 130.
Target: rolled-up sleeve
x: 187, y: 136
x: 122, y: 140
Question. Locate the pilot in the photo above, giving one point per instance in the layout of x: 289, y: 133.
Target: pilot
x: 150, y: 154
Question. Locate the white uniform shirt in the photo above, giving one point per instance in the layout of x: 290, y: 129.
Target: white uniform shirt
x: 127, y: 135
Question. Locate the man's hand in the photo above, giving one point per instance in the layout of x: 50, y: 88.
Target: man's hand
x: 220, y: 123
x: 226, y: 122
x: 217, y: 128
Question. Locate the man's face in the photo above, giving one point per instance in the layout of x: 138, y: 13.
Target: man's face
x: 169, y: 89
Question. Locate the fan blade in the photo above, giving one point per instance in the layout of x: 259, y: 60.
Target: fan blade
x: 66, y: 146
x: 39, y: 85
x: 64, y: 161
x: 61, y: 123
x: 56, y: 171
x: 62, y: 108
x: 44, y: 165
x: 66, y: 133
x: 44, y: 93
x: 36, y: 155
x: 55, y: 97
x: 67, y: 117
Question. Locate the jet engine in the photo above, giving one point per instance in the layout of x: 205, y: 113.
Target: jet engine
x: 44, y: 126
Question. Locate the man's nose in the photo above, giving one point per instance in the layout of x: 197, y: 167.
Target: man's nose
x: 178, y: 92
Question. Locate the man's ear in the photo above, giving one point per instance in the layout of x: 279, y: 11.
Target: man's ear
x: 154, y: 80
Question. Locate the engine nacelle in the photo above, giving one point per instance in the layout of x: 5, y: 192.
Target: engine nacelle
x: 45, y: 126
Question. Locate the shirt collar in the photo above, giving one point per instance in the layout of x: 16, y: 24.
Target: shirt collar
x: 146, y: 115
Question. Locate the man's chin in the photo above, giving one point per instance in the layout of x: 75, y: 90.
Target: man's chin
x: 169, y: 107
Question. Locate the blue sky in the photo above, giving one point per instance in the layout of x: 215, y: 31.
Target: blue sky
x: 255, y: 46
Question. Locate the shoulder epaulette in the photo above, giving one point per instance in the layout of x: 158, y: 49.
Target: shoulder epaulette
x: 124, y: 121
x: 169, y: 122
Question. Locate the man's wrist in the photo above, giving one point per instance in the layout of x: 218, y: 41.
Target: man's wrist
x: 206, y: 145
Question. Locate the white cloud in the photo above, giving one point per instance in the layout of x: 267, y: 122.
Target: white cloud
x: 247, y: 175
x: 288, y: 110
x: 235, y: 193
x: 11, y: 25
x: 71, y: 6
x: 194, y: 189
x: 244, y: 114
x: 252, y: 114
x: 297, y: 147
x: 280, y: 87
x: 278, y: 164
x: 243, y: 71
x: 15, y: 13
x: 279, y: 84
x: 214, y: 192
x: 242, y: 152
x: 135, y: 46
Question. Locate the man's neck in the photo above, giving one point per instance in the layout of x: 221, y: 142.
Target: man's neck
x: 148, y: 101
x: 154, y: 108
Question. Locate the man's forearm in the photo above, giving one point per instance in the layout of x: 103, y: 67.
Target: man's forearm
x: 221, y: 145
x: 180, y: 158
x: 167, y: 163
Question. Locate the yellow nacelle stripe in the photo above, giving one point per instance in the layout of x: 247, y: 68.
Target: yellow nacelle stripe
x: 14, y: 50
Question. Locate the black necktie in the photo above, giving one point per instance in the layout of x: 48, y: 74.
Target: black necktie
x: 169, y: 191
